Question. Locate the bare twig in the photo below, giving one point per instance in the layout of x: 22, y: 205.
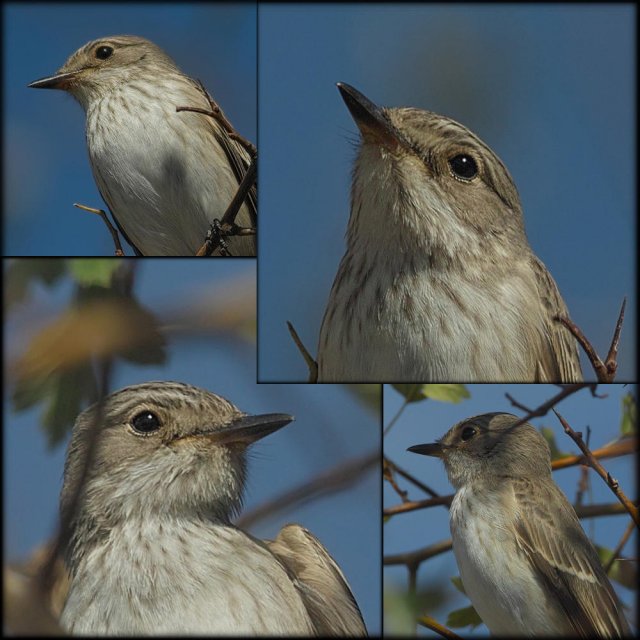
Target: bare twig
x: 616, y: 552
x: 217, y: 113
x: 112, y: 230
x: 544, y: 408
x: 611, y: 361
x: 419, y: 555
x: 407, y: 476
x: 226, y: 226
x: 613, y: 450
x: 414, y: 505
x: 308, y: 358
x: 600, y: 470
x: 387, y: 473
x: 605, y: 371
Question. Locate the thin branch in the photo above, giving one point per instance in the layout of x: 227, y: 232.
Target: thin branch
x: 415, y: 505
x: 610, y: 362
x: 312, y: 365
x: 419, y: 555
x: 613, y: 450
x: 387, y: 474
x: 618, y: 550
x: 543, y: 409
x: 226, y: 226
x: 112, y: 230
x: 605, y: 371
x: 409, y: 478
x: 430, y: 623
x: 395, y: 418
x: 217, y: 113
x: 600, y: 470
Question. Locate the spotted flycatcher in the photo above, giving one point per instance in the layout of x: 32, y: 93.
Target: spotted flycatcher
x: 166, y: 176
x: 152, y: 477
x: 525, y: 562
x: 438, y: 282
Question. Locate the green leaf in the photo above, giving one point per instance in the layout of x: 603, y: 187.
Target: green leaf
x: 463, y: 618
x: 457, y: 583
x: 93, y: 272
x: 629, y: 415
x: 444, y: 392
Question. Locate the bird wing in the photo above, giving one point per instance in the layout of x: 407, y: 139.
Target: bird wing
x: 320, y: 581
x: 238, y: 157
x: 560, y: 362
x: 566, y: 562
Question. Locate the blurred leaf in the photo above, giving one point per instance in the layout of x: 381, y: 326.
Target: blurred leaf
x: 400, y: 612
x: 453, y: 393
x: 63, y: 395
x: 21, y: 274
x: 457, y: 583
x: 118, y: 327
x: 463, y: 618
x: 628, y: 423
x: 550, y: 437
x: 368, y: 394
x: 93, y: 272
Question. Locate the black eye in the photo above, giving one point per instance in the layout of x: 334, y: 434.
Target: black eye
x: 146, y: 422
x: 104, y: 52
x: 463, y: 166
x: 468, y: 433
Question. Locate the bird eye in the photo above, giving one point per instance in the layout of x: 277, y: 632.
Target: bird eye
x: 104, y: 52
x: 146, y: 422
x: 468, y: 433
x: 463, y: 166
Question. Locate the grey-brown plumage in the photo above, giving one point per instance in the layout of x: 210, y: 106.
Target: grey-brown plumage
x: 524, y: 559
x: 438, y: 282
x: 152, y: 548
x: 166, y: 176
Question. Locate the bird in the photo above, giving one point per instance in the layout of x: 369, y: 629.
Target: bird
x: 438, y: 282
x: 526, y: 563
x: 166, y: 176
x: 153, y: 476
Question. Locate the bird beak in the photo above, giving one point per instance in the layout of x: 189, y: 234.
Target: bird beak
x: 434, y: 449
x: 248, y: 429
x: 59, y: 81
x: 371, y: 120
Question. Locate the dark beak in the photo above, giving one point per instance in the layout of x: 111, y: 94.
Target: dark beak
x: 248, y: 429
x: 371, y: 119
x: 434, y: 449
x: 59, y: 81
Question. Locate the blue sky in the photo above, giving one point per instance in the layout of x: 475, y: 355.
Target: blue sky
x: 426, y: 421
x: 46, y: 167
x: 551, y: 88
x: 331, y: 426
